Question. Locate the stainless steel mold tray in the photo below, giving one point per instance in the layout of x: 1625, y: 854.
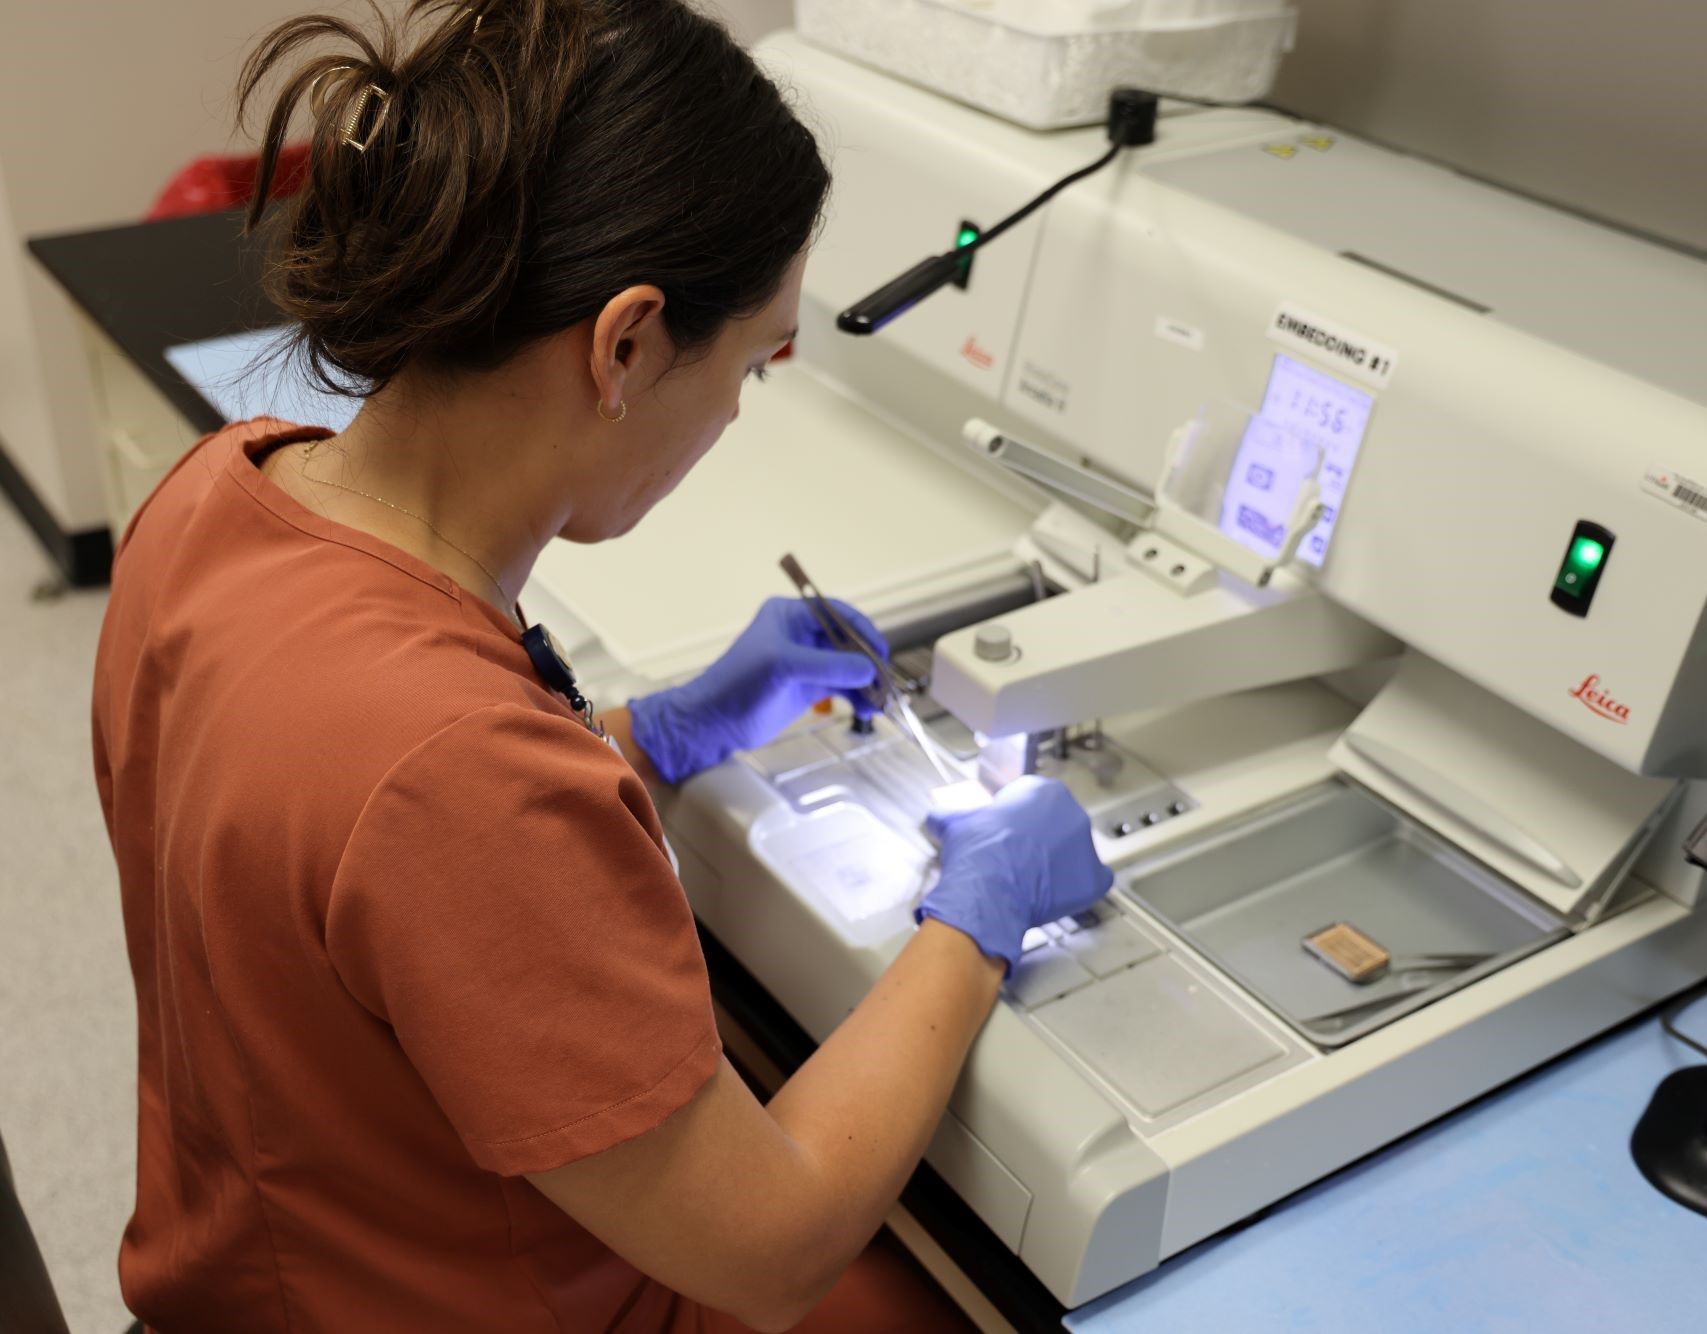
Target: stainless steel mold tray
x: 1246, y: 896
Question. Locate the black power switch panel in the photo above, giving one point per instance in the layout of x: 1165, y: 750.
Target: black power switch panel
x: 1579, y: 573
x: 968, y: 233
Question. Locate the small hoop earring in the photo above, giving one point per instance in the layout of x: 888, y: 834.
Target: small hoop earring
x: 599, y: 408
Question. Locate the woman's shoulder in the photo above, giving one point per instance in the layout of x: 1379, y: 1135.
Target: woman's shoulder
x: 392, y: 675
x: 186, y: 486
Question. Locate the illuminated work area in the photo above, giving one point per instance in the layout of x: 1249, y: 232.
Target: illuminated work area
x: 1157, y: 764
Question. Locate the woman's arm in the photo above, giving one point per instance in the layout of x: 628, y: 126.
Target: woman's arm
x: 757, y: 1210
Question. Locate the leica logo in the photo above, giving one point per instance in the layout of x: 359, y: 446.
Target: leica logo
x: 1597, y: 700
x: 978, y: 356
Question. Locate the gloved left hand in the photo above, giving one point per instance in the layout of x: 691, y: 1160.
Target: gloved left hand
x: 778, y: 668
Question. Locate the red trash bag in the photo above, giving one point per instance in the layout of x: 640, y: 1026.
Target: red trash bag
x: 212, y: 183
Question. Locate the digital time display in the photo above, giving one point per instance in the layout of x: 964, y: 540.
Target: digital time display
x: 1301, y: 404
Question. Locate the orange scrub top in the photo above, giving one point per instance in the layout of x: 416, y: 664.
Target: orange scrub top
x: 402, y: 929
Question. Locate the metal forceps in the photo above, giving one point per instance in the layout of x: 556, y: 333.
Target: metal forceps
x: 1415, y: 974
x: 893, y: 691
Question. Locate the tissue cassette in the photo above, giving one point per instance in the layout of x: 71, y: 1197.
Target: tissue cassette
x: 1350, y: 953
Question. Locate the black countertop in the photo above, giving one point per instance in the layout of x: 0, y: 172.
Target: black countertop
x: 154, y: 285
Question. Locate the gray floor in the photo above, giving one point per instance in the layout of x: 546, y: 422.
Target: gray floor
x: 67, y: 1017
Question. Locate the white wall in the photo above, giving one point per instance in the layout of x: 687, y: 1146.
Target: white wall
x: 1600, y: 105
x: 100, y: 100
x: 752, y: 19
x: 24, y: 412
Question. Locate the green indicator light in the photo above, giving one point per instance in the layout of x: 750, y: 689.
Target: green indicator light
x: 967, y: 235
x: 1589, y: 550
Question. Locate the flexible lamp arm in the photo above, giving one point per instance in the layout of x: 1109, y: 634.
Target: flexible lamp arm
x: 1131, y: 124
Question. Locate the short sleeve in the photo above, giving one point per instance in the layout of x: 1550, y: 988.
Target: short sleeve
x: 506, y: 906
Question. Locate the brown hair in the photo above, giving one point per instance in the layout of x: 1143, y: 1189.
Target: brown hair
x: 488, y: 173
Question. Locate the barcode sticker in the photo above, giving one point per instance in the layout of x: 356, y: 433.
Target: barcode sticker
x: 1686, y: 493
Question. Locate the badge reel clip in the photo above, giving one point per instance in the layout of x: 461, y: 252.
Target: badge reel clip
x: 552, y: 665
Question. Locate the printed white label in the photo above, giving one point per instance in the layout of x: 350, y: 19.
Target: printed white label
x: 1043, y: 387
x: 1177, y: 331
x: 1333, y: 345
x: 1687, y: 494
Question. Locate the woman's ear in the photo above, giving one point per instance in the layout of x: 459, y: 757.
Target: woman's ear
x: 631, y: 346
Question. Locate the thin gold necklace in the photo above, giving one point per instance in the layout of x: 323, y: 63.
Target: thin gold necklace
x: 503, y: 597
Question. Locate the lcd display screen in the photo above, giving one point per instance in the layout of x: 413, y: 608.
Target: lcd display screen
x: 1303, y: 411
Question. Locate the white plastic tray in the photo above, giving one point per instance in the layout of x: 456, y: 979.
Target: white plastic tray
x: 1053, y: 63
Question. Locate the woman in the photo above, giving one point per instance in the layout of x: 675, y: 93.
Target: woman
x: 425, y: 1033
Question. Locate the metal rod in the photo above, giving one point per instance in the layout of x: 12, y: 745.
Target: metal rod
x: 840, y: 631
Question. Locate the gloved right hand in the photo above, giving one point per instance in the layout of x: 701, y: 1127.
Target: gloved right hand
x: 1025, y: 859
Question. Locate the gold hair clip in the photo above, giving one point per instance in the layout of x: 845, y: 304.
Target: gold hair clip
x: 317, y: 95
x: 354, y: 120
x: 473, y: 33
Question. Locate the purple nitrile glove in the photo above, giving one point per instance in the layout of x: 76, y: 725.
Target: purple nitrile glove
x: 779, y: 667
x: 1025, y: 859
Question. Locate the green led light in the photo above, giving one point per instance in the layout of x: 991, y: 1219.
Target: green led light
x: 967, y: 236
x: 1584, y: 564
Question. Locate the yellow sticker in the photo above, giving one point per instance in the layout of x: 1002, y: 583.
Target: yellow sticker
x: 1320, y: 142
x: 1280, y: 150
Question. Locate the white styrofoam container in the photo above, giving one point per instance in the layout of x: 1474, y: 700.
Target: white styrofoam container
x: 1052, y: 63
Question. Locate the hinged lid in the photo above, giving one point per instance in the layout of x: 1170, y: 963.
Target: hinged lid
x: 1549, y: 814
